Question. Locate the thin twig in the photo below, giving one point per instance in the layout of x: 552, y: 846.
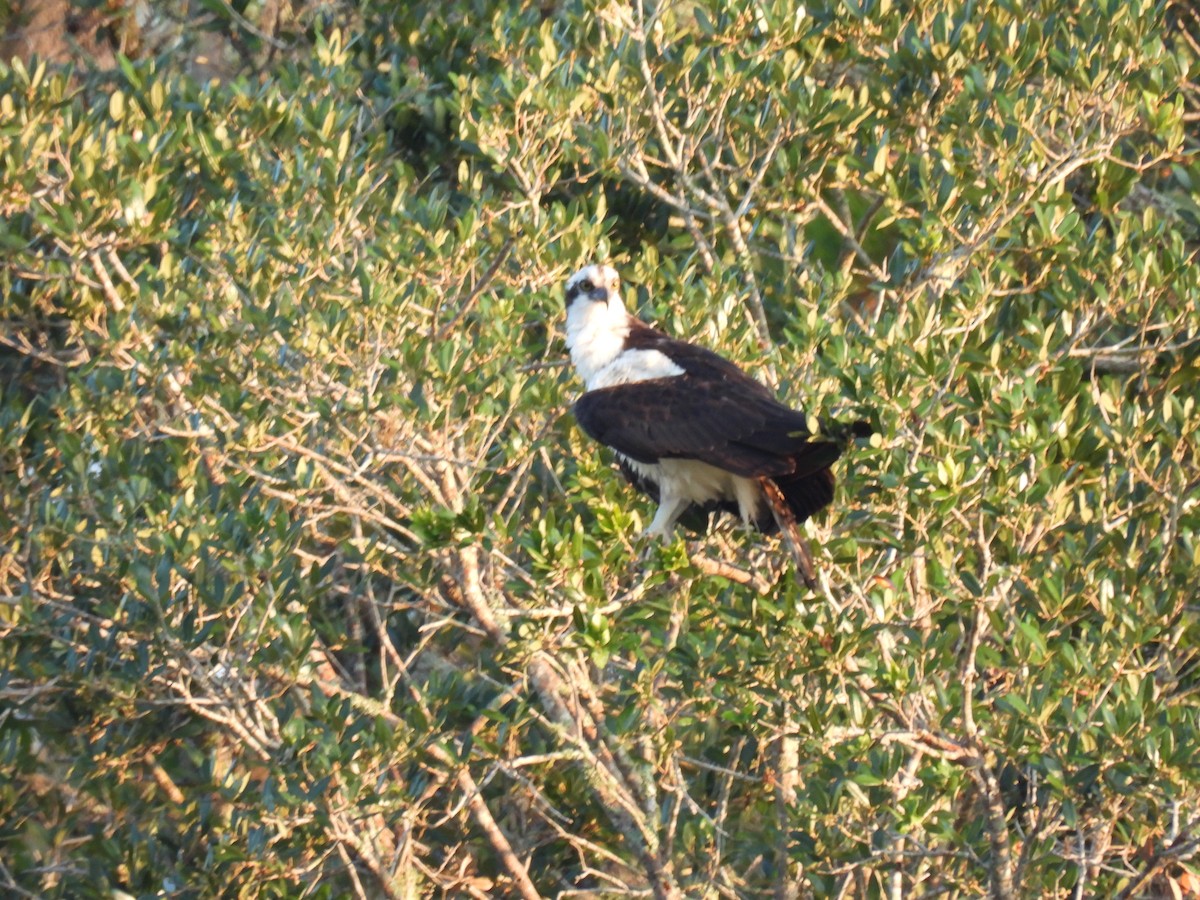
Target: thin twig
x: 476, y: 290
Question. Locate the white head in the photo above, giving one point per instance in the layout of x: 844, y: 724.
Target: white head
x: 593, y: 284
x: 597, y: 322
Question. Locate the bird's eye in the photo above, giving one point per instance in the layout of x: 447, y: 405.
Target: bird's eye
x: 586, y: 287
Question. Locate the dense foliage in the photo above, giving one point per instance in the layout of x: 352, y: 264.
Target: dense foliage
x: 309, y: 585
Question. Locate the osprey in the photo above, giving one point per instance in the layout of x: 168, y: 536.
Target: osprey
x: 689, y: 428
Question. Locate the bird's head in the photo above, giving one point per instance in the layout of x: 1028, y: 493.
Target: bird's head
x: 596, y: 318
x: 593, y: 284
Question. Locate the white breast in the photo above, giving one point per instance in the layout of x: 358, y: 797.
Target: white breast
x: 689, y: 479
x: 633, y: 365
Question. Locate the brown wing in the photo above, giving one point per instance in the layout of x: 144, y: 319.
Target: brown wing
x: 716, y: 415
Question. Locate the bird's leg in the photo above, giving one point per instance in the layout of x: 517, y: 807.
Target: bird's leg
x: 662, y: 526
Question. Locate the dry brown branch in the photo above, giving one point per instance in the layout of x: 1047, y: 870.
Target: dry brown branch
x: 1182, y: 846
x: 980, y: 767
x: 721, y: 569
x: 487, y: 824
x: 70, y: 358
x: 683, y: 148
x: 636, y: 172
x: 787, y: 780
x: 331, y: 684
x: 574, y: 725
x: 849, y: 238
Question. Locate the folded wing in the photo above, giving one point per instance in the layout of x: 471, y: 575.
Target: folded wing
x: 728, y: 421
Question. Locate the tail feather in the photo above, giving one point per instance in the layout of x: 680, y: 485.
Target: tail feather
x: 807, y: 494
x: 859, y: 428
x: 785, y: 518
x: 844, y: 432
x: 807, y: 490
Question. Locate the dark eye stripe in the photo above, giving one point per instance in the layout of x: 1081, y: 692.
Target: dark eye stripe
x: 579, y: 287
